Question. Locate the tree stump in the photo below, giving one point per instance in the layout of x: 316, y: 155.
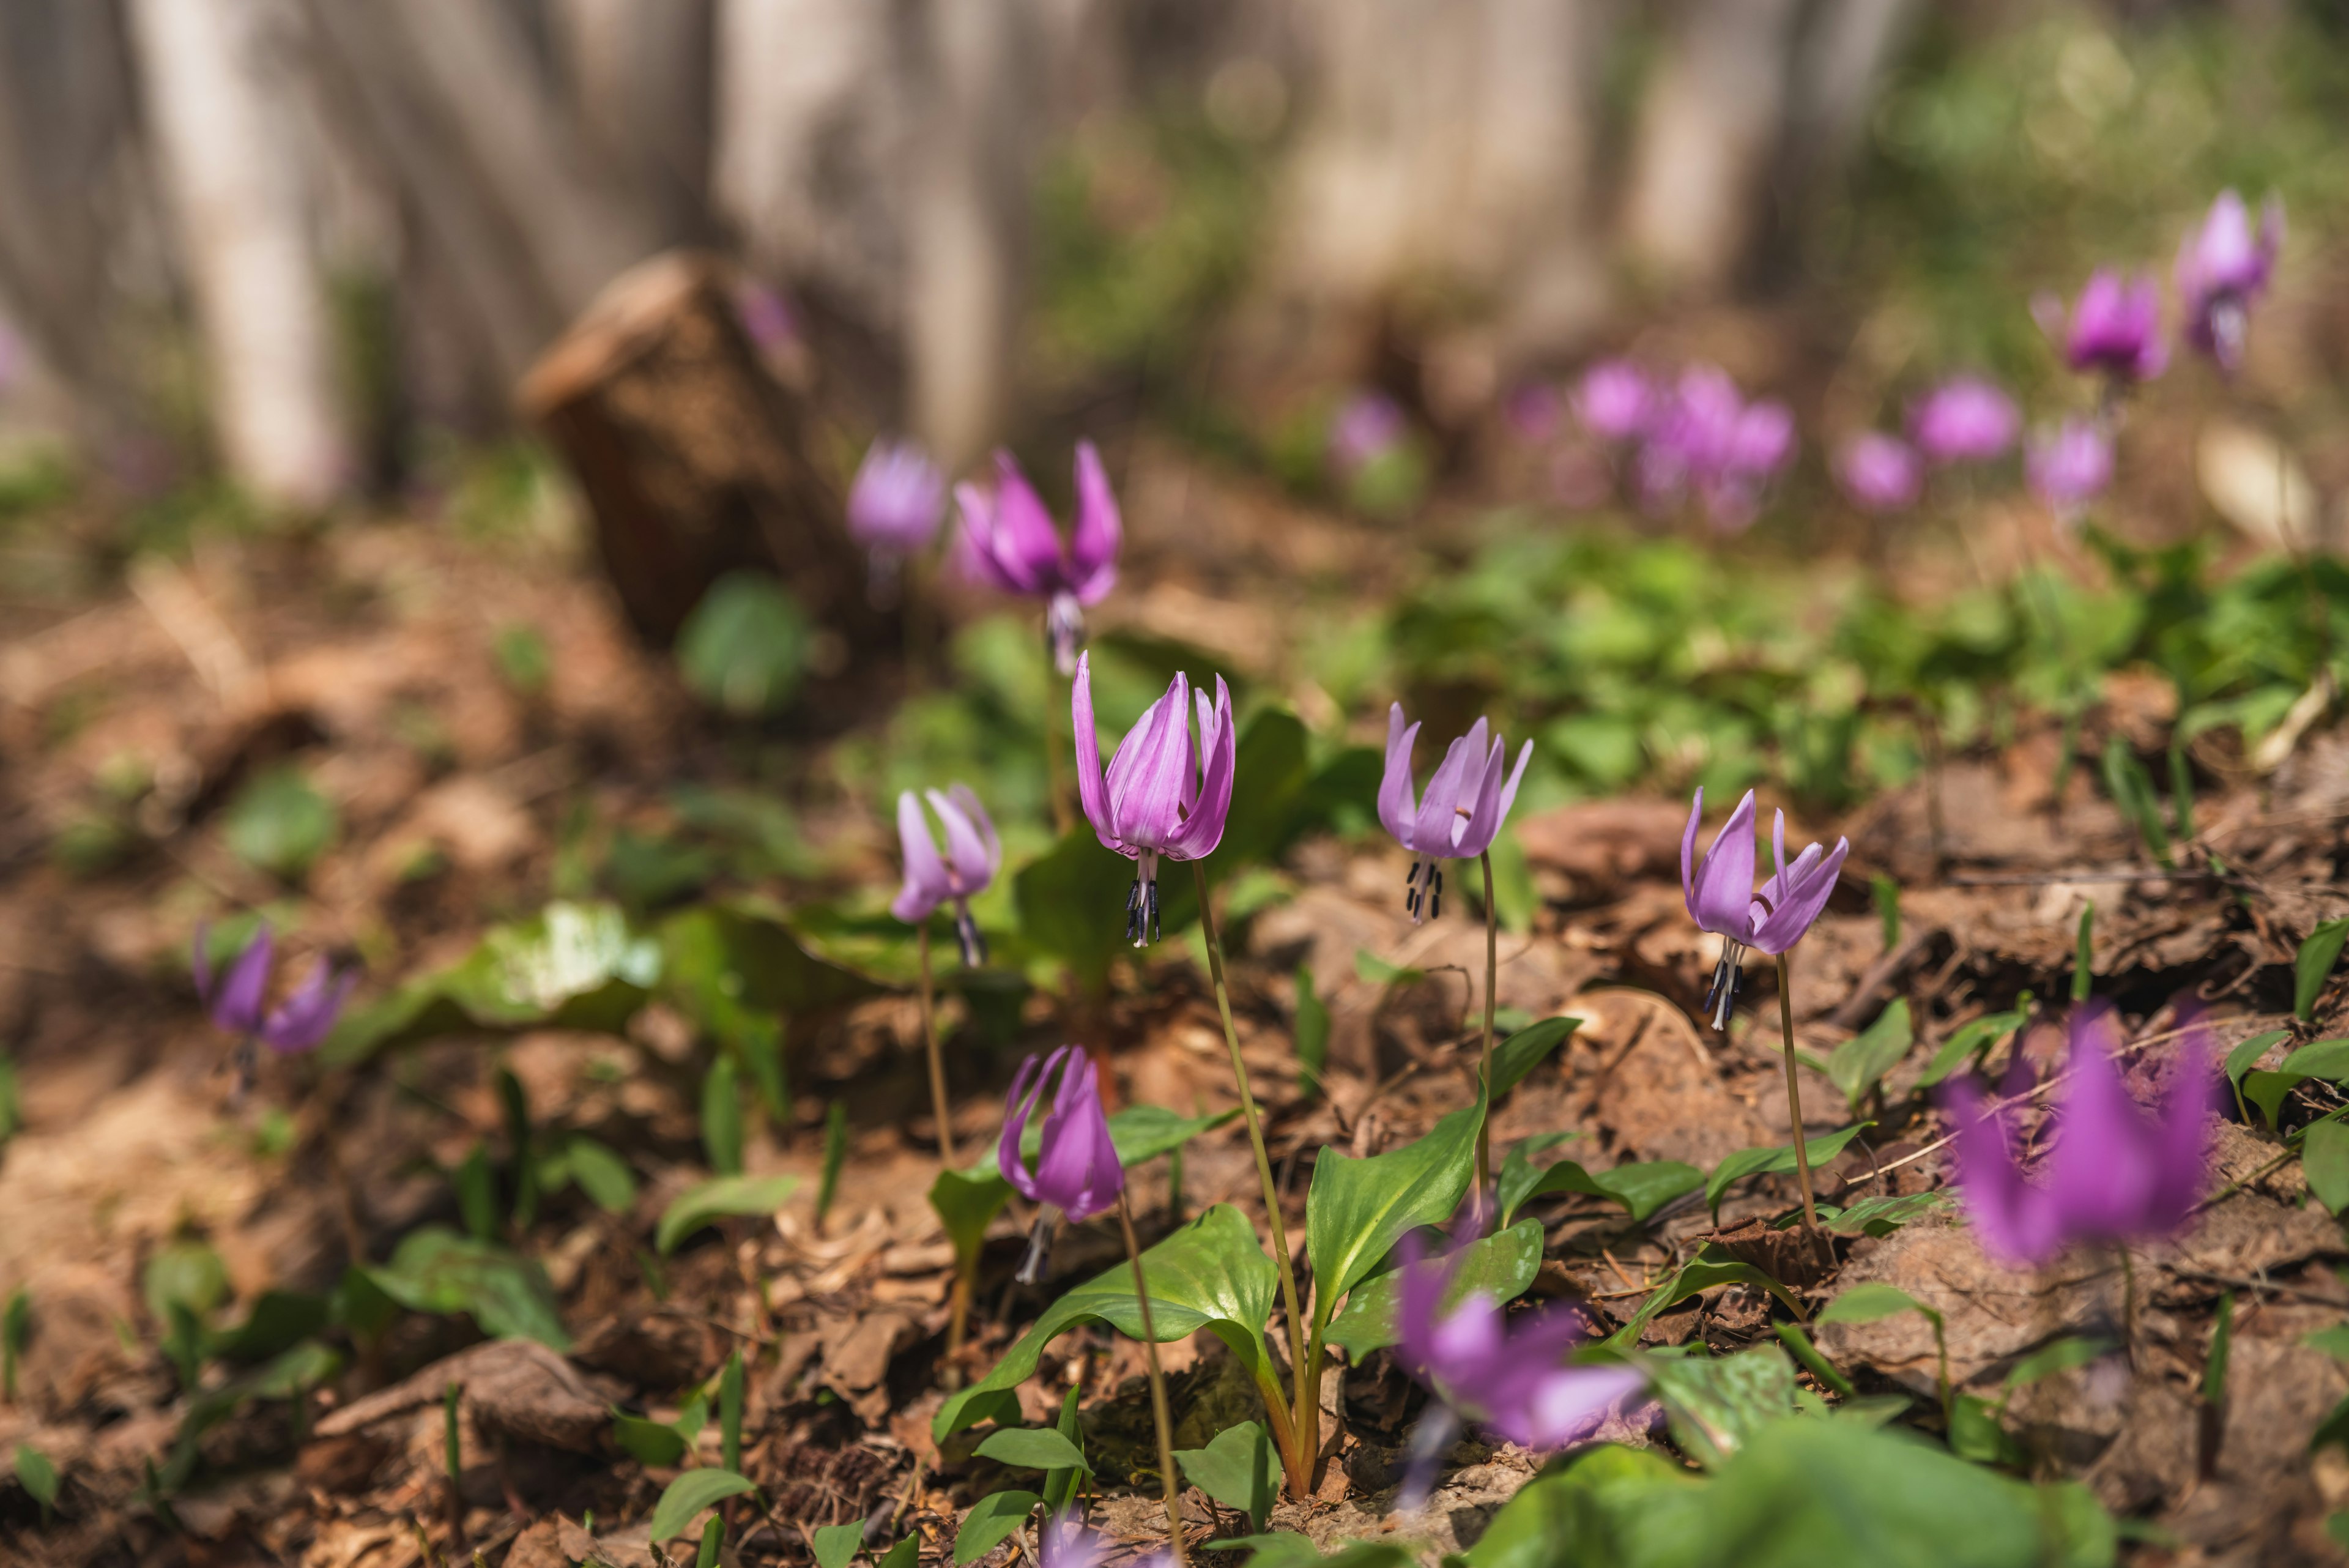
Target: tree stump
x: 693, y: 458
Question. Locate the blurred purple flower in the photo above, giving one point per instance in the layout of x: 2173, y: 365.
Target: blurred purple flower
x: 1880, y: 473
x: 1534, y: 409
x: 1077, y: 1171
x: 1614, y: 400
x: 1467, y: 800
x: 2115, y: 1175
x: 897, y: 500
x: 1065, y: 1542
x: 1721, y: 898
x: 973, y: 855
x: 1516, y: 1382
x: 2116, y: 328
x: 1704, y: 436
x: 2223, y: 267
x: 767, y: 317
x: 2070, y: 465
x: 297, y: 1024
x: 1162, y: 795
x: 1966, y: 418
x: 1368, y: 426
x: 1009, y: 540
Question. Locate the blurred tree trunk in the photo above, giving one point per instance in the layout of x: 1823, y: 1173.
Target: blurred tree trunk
x: 641, y: 80
x: 1707, y: 139
x: 1845, y: 51
x: 223, y: 126
x: 979, y: 93
x: 813, y: 120
x: 76, y: 212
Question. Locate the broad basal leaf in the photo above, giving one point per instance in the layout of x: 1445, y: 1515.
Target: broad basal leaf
x: 1776, y: 1161
x: 716, y: 1199
x: 1357, y: 1210
x: 1500, y: 1265
x: 1239, y: 1468
x: 1523, y: 1051
x: 690, y: 1493
x: 1860, y: 1062
x: 990, y: 1521
x: 1210, y: 1274
x: 1642, y: 1187
x: 435, y: 1270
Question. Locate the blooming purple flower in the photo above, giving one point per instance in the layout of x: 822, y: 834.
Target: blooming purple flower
x: 973, y: 855
x: 1467, y: 800
x: 1880, y: 473
x: 1009, y: 540
x: 897, y: 499
x: 236, y: 1004
x: 2116, y: 1173
x: 1077, y: 1171
x: 1065, y: 1542
x: 1369, y: 426
x: 303, y: 1020
x: 1516, y: 1382
x: 1721, y: 897
x: 298, y: 1023
x: 1966, y: 418
x: 1705, y: 436
x: 1615, y: 401
x: 1161, y: 795
x: 2116, y: 328
x: 2070, y: 465
x: 2224, y: 267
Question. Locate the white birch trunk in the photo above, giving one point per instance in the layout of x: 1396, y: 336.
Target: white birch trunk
x: 224, y: 128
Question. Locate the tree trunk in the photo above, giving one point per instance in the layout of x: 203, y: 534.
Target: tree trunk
x: 691, y: 454
x: 223, y: 125
x: 640, y: 74
x: 1708, y: 136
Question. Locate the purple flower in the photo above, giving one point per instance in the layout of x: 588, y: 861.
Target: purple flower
x: 298, y: 1023
x: 1009, y: 540
x: 2070, y: 465
x: 2223, y: 267
x: 767, y: 317
x: 1615, y: 401
x: 897, y: 500
x: 1706, y: 437
x: 1533, y: 410
x: 1721, y: 897
x: 2115, y: 1174
x: 1162, y: 794
x: 1467, y: 800
x: 1516, y: 1382
x: 1065, y: 1542
x: 973, y: 855
x: 1965, y: 420
x: 1880, y: 473
x: 1077, y: 1171
x: 1367, y: 427
x: 2116, y: 328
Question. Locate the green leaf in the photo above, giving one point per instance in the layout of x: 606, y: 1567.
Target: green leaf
x: 835, y: 1156
x: 744, y: 648
x: 1710, y: 1267
x: 477, y: 1192
x: 836, y: 1545
x: 2313, y: 964
x: 1976, y: 1433
x: 603, y: 1174
x: 1239, y: 1468
x: 1792, y: 1337
x: 2223, y: 1339
x: 2057, y: 1355
x: 689, y: 1493
x: 1872, y: 1300
x: 1372, y: 970
x: 713, y: 1544
x: 716, y: 1199
x: 1860, y: 1064
x: 2084, y: 953
x: 1522, y: 1051
x: 730, y: 1412
x: 1886, y: 894
x: 187, y: 1274
x: 1882, y: 1215
x: 2333, y: 1341
x: 279, y: 823
x: 2323, y: 1059
x: 2241, y: 1059
x: 278, y: 1321
x: 1357, y: 1210
x: 1775, y: 1161
x: 1209, y: 1275
x: 1972, y: 1039
x: 1642, y: 1187
x: 1501, y: 1265
x: 572, y: 965
x: 1033, y: 1448
x: 1312, y: 1034
x: 38, y: 1476
x: 1716, y: 1404
x: 991, y: 1520
x: 2324, y: 1155
x: 519, y: 1134
x: 721, y: 1117
x: 15, y: 1333
x: 435, y: 1270
x: 1272, y: 755
x: 1060, y: 1485
x: 650, y: 1442
x: 1069, y: 900
x: 906, y: 1554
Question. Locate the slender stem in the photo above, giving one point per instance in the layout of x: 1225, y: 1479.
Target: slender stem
x: 1491, y: 972
x: 966, y: 1282
x: 2129, y: 1308
x: 1054, y: 794
x: 1158, y: 1414
x: 938, y: 1105
x: 1794, y: 1092
x: 1256, y: 1134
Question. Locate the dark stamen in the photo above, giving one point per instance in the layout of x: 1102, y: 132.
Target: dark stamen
x: 973, y: 946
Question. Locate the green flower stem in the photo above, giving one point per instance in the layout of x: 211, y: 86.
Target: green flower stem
x: 1159, y: 1418
x: 1794, y: 1092
x: 1303, y: 1373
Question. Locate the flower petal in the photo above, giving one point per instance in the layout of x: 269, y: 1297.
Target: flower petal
x: 966, y: 855
x: 1146, y: 776
x: 925, y: 873
x: 1026, y: 1085
x: 236, y: 1009
x: 980, y: 558
x: 1721, y: 898
x: 305, y: 1019
x: 965, y: 800
x: 1023, y: 527
x: 1204, y: 829
x: 2010, y: 1218
x: 1396, y: 807
x: 1439, y: 808
x: 1801, y: 896
x: 1077, y: 1169
x: 1483, y: 824
x: 1091, y: 793
x: 2102, y: 1174
x: 1093, y: 545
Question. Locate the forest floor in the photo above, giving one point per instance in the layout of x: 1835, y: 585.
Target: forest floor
x: 373, y: 654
